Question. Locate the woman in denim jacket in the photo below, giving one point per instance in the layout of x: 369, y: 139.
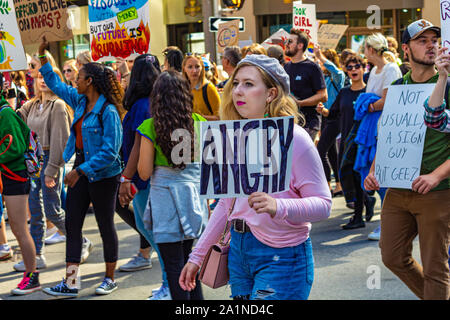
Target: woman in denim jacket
x: 96, y: 139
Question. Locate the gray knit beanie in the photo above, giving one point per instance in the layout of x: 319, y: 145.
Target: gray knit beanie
x: 270, y: 65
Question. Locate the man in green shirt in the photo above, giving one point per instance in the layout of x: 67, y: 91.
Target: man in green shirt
x: 424, y: 210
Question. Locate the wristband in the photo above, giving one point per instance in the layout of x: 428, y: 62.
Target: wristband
x: 124, y: 179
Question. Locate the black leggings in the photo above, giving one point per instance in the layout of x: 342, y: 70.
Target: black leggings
x: 103, y: 196
x: 327, y: 146
x: 127, y: 215
x: 175, y: 255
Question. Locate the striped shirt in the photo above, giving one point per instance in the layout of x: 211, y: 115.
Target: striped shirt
x: 437, y: 118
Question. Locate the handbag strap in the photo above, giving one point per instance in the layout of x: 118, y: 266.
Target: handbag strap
x: 227, y: 227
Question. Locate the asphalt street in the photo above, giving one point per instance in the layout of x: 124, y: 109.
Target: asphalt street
x: 348, y: 266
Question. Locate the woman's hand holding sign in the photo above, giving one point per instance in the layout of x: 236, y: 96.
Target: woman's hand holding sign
x: 261, y: 202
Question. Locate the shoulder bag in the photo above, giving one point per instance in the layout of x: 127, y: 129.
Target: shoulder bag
x: 214, y: 271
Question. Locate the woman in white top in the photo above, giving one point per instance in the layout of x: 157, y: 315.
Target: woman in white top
x: 385, y: 70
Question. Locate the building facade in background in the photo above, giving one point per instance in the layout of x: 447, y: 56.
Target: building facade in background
x: 183, y: 22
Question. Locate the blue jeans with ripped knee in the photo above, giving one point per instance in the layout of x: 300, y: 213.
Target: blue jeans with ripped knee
x: 265, y: 273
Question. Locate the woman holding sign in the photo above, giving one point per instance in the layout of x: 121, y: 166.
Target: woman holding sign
x: 270, y: 233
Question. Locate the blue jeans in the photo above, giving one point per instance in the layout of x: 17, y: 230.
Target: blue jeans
x: 139, y: 204
x: 48, y: 200
x: 266, y: 273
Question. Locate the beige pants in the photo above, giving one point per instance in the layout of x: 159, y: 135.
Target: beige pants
x: 406, y: 214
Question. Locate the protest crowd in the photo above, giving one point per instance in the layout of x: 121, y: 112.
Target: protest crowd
x: 114, y: 123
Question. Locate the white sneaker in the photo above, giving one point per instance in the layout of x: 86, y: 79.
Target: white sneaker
x: 86, y: 249
x: 40, y: 264
x: 55, y: 238
x: 163, y: 293
x: 375, y: 234
x: 50, y: 232
x: 5, y: 252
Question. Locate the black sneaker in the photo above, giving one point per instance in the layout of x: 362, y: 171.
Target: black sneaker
x: 62, y: 290
x: 107, y: 286
x: 370, y: 206
x: 354, y: 224
x: 30, y: 283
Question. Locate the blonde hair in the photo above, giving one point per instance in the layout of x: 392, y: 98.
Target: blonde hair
x: 84, y: 57
x: 282, y: 106
x: 254, y: 48
x: 199, y: 59
x: 72, y: 63
x: 379, y: 43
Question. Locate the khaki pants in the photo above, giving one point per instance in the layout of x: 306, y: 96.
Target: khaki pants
x: 404, y: 215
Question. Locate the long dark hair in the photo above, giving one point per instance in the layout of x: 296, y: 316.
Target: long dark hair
x: 142, y: 79
x: 172, y: 105
x: 105, y: 82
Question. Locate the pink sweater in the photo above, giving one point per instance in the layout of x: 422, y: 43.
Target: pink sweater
x: 307, y: 200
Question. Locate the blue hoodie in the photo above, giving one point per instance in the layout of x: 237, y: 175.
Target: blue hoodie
x: 366, y: 138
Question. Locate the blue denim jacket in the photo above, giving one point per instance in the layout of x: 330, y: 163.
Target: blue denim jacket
x: 101, y: 152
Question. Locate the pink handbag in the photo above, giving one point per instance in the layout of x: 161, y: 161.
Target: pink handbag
x: 214, y: 271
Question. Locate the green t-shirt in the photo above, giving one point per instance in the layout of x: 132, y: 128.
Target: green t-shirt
x: 10, y: 123
x: 436, y: 149
x: 147, y: 129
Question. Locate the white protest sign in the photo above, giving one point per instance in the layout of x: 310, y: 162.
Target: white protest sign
x: 245, y: 156
x: 401, y: 135
x: 278, y: 38
x: 304, y: 18
x: 119, y: 29
x: 445, y: 23
x: 12, y: 54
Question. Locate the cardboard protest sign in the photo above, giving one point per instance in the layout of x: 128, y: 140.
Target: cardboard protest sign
x: 119, y: 28
x: 329, y: 35
x: 445, y: 23
x: 228, y: 35
x: 304, y: 18
x: 38, y: 18
x: 401, y: 136
x: 12, y: 54
x: 245, y: 156
x: 278, y: 38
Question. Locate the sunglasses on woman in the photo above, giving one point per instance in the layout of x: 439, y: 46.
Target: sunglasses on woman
x: 356, y: 67
x: 67, y: 71
x: 32, y: 66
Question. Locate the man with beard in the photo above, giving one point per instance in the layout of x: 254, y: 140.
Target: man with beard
x: 424, y: 210
x: 306, y: 80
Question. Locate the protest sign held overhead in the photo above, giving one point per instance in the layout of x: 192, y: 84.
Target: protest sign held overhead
x: 38, y: 18
x: 119, y: 28
x: 329, y: 35
x: 245, y: 156
x: 445, y: 23
x: 304, y: 19
x: 278, y: 38
x: 12, y: 54
x: 228, y: 35
x: 401, y: 136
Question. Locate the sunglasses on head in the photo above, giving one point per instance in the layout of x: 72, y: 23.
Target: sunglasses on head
x: 356, y: 67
